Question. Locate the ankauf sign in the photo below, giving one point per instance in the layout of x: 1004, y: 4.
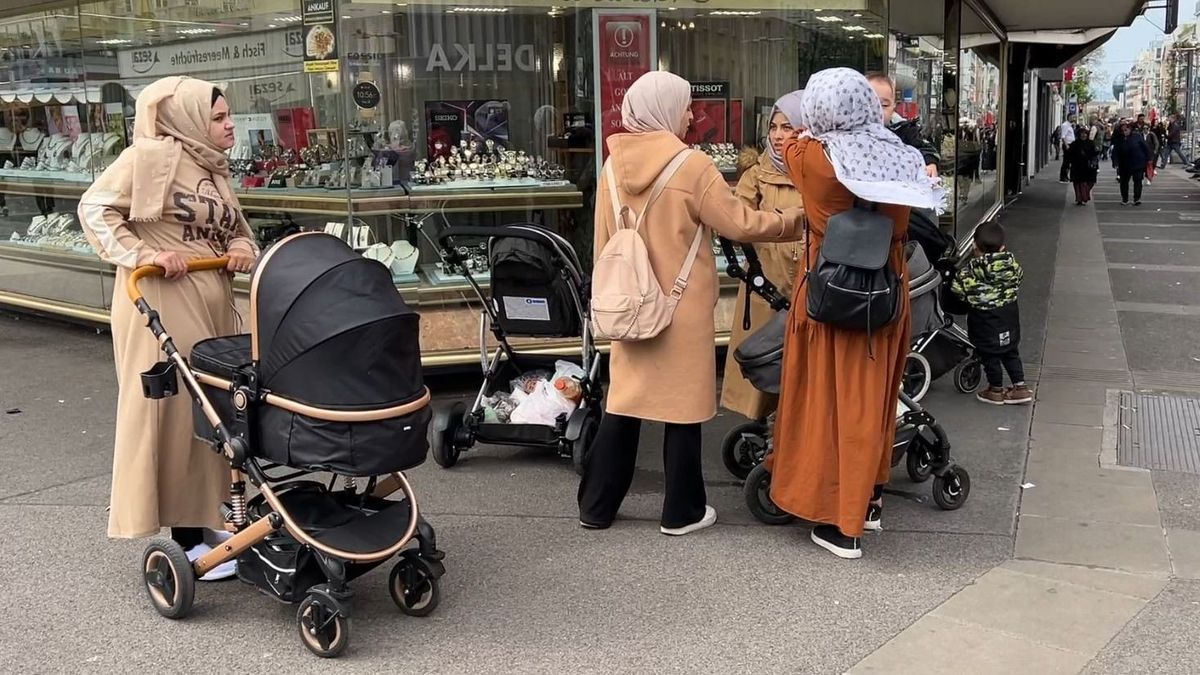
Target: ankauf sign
x: 255, y: 50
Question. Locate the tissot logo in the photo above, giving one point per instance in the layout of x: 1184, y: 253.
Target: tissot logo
x: 144, y: 60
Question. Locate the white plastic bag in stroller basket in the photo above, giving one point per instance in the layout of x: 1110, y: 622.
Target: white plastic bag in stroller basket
x: 543, y: 406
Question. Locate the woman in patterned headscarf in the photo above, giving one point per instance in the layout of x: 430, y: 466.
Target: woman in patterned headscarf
x: 833, y: 439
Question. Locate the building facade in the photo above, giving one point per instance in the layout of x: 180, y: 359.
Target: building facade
x: 384, y: 122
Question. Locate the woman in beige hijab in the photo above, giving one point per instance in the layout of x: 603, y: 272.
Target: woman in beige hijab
x: 167, y: 200
x: 670, y: 378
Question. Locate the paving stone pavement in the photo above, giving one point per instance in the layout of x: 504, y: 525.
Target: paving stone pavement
x: 1104, y: 553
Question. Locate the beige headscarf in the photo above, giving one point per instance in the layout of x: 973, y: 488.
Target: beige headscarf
x: 172, y: 119
x: 657, y: 101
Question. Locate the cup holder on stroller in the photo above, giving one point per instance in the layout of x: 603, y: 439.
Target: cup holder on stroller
x: 161, y: 381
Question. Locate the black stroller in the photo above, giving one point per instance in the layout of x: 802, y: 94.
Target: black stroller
x: 328, y: 380
x: 919, y: 438
x: 538, y: 289
x: 939, y: 344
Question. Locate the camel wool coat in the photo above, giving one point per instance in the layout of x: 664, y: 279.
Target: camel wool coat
x: 672, y: 377
x: 763, y: 188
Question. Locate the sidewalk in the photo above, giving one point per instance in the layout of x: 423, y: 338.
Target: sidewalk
x: 1074, y: 573
x: 1107, y: 557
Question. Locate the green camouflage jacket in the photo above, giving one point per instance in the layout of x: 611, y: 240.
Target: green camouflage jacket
x: 989, y: 281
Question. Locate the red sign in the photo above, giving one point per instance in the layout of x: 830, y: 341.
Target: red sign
x: 625, y: 52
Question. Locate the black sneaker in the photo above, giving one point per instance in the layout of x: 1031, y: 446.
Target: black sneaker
x: 831, y: 539
x: 874, y: 520
x: 1137, y: 202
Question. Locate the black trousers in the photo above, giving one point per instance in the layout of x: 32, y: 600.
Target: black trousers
x: 187, y: 537
x: 1137, y: 177
x: 1065, y: 171
x: 610, y: 466
x: 995, y: 364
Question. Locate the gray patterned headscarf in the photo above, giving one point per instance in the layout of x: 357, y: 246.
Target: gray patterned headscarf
x: 841, y: 110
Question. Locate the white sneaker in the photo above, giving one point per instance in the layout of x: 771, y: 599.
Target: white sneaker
x: 219, y: 573
x: 709, y: 519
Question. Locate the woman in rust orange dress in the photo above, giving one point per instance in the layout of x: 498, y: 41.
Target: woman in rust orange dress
x: 837, y: 407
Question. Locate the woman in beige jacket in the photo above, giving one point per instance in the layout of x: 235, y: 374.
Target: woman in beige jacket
x: 670, y: 378
x: 765, y: 187
x: 167, y: 200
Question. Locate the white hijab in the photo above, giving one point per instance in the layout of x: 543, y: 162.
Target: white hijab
x: 841, y: 110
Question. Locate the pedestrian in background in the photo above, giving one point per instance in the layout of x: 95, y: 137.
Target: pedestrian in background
x: 671, y: 377
x: 1174, y: 144
x: 1067, y: 134
x: 1084, y: 160
x: 1154, y: 143
x: 1131, y: 155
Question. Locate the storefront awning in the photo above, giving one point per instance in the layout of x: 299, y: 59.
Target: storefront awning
x: 919, y: 17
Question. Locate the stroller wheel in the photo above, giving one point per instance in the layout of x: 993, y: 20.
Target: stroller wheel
x: 744, y: 447
x: 414, y: 587
x: 918, y: 462
x: 758, y: 498
x: 951, y: 489
x: 968, y: 375
x: 324, y: 630
x: 443, y: 435
x: 170, y: 581
x: 918, y: 375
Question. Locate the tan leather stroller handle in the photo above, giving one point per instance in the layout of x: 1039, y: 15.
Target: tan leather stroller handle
x: 198, y: 265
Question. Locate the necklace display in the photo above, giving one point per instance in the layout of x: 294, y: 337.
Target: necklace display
x: 31, y: 139
x: 8, y: 140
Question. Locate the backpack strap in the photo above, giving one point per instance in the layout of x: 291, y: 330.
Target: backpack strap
x: 620, y: 211
x: 681, y: 280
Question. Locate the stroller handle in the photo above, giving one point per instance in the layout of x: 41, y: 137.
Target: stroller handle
x: 197, y: 265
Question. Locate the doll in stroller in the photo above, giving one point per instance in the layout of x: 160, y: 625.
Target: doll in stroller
x: 538, y: 289
x: 920, y: 440
x: 328, y: 380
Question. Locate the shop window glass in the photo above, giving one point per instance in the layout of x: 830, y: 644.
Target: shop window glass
x: 980, y: 99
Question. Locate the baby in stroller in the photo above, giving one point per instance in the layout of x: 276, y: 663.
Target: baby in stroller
x: 328, y: 380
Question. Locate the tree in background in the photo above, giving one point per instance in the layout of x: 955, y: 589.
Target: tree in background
x: 1087, y: 73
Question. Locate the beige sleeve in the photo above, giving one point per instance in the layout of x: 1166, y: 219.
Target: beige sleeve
x: 103, y: 214
x: 747, y: 188
x: 731, y: 218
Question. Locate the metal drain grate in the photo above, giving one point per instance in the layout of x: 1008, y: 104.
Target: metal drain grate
x: 1159, y: 432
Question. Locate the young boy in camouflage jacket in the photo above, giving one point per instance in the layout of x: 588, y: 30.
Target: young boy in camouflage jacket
x: 989, y: 285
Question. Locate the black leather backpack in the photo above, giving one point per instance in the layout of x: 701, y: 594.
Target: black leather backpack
x: 852, y: 286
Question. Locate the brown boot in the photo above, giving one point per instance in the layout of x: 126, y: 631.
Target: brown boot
x: 991, y: 395
x: 1019, y: 394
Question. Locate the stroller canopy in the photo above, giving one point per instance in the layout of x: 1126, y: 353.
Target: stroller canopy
x: 329, y: 328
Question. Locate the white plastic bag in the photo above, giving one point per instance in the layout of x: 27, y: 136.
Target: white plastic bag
x: 567, y: 369
x: 543, y: 406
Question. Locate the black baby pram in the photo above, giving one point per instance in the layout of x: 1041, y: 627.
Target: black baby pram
x: 919, y: 438
x: 538, y: 289
x: 939, y: 344
x: 328, y: 380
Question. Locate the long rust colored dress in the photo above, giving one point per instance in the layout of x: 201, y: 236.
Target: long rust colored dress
x: 837, y: 404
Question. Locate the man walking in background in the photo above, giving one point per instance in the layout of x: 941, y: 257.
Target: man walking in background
x: 1066, y: 136
x: 1174, y: 144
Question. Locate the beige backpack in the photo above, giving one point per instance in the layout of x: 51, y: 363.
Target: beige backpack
x: 628, y: 304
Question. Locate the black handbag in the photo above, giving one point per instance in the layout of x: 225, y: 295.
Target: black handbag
x: 852, y: 286
x: 760, y: 356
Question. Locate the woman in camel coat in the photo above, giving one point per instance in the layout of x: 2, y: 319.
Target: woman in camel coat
x: 167, y: 200
x: 670, y: 378
x: 837, y: 405
x: 765, y: 187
